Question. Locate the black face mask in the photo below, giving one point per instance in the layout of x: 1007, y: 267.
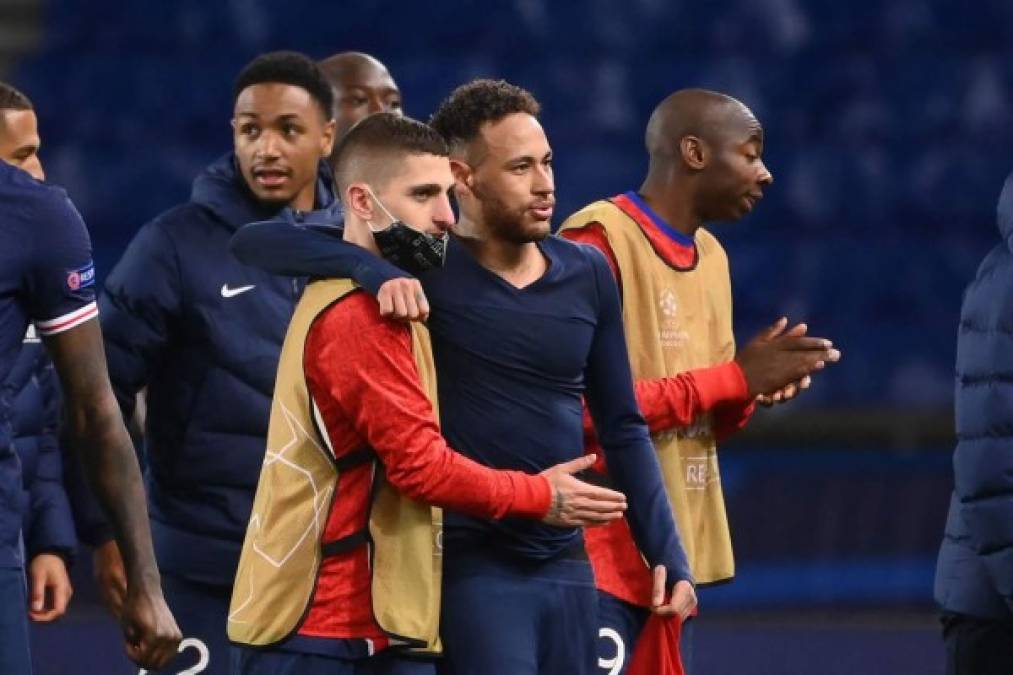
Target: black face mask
x: 413, y: 251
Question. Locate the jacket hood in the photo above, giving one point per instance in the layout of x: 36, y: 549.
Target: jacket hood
x: 222, y: 189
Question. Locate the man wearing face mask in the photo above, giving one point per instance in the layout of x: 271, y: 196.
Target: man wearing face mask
x: 524, y: 326
x: 354, y: 426
x: 202, y: 332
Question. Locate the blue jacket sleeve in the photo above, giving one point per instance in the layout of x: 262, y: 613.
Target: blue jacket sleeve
x: 138, y: 310
x: 52, y: 526
x: 311, y: 251
x: 623, y: 434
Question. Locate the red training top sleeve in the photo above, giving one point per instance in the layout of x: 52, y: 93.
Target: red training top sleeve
x: 594, y: 234
x: 731, y: 418
x: 363, y: 378
x: 673, y: 402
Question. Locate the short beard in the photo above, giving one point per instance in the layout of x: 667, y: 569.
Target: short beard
x: 504, y: 223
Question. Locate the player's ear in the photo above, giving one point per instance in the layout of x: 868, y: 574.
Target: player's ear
x: 463, y: 177
x: 359, y: 201
x: 694, y: 151
x: 327, y: 138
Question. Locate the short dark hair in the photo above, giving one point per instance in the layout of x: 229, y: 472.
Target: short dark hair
x: 292, y: 68
x: 462, y: 114
x: 12, y: 99
x: 381, y: 139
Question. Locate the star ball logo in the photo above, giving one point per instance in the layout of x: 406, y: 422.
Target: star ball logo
x: 668, y: 303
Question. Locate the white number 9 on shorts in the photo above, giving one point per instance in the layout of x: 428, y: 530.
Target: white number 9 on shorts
x: 614, y: 665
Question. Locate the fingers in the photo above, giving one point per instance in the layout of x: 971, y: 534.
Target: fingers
x: 773, y: 330
x: 113, y: 589
x: 63, y: 591
x: 60, y: 590
x: 682, y: 604
x: 798, y: 330
x: 606, y: 504
x: 148, y: 655
x: 658, y: 588
x: 587, y: 519
x: 401, y: 301
x: 596, y: 496
x: 423, y: 303
x: 38, y: 582
x: 804, y: 343
x: 386, y: 300
x: 684, y: 599
x: 152, y: 646
x: 576, y: 465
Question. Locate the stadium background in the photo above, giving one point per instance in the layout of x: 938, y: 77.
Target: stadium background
x: 889, y: 135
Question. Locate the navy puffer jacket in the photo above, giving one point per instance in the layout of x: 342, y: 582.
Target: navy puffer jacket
x: 47, y: 526
x: 975, y: 571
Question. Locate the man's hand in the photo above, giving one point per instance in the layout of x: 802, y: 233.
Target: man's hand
x: 50, y: 588
x: 776, y: 362
x: 151, y: 633
x: 403, y: 299
x: 683, y: 600
x: 110, y: 576
x: 579, y: 504
x: 787, y: 393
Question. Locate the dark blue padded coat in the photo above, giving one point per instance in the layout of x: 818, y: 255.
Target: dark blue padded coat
x: 975, y: 571
x: 32, y: 387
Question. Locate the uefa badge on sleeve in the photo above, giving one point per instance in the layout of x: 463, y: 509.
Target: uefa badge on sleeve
x: 82, y: 277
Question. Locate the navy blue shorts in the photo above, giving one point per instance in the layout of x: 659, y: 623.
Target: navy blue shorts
x: 503, y: 617
x: 620, y: 626
x: 15, y: 658
x: 276, y: 662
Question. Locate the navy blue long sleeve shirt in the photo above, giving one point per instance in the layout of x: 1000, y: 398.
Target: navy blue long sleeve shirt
x: 512, y: 367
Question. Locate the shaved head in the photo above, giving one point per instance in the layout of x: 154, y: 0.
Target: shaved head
x: 707, y: 115
x: 706, y: 161
x: 347, y: 64
x: 362, y: 86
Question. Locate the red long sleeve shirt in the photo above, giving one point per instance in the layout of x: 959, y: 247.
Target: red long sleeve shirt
x: 673, y: 402
x: 363, y: 378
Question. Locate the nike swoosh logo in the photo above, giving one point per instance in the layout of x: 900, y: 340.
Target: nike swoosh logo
x: 233, y: 292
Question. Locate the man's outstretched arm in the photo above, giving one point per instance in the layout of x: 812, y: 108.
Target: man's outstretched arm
x: 280, y: 247
x: 96, y: 432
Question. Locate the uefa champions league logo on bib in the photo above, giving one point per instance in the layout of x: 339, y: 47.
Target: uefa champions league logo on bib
x: 668, y: 303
